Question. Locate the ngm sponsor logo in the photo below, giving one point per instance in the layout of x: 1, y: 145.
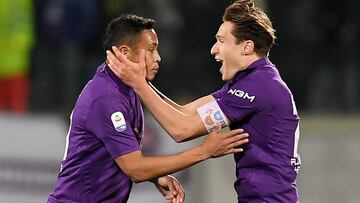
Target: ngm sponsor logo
x: 241, y: 94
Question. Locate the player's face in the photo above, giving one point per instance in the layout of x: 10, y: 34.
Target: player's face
x: 148, y: 40
x: 227, y: 51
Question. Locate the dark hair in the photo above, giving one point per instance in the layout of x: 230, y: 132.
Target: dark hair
x: 251, y: 23
x: 125, y: 29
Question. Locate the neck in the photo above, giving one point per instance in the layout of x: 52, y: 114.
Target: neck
x: 251, y: 59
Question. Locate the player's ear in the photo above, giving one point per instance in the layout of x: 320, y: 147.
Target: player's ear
x: 124, y: 50
x: 249, y: 47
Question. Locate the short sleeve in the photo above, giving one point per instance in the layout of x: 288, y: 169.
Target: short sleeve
x: 220, y: 93
x: 110, y: 120
x: 237, y: 101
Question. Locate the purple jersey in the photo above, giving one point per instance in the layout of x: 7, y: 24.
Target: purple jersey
x: 258, y: 101
x: 107, y: 122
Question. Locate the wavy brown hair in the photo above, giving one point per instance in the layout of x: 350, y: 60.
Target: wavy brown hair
x: 251, y: 23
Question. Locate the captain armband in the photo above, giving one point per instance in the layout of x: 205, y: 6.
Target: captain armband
x: 211, y: 114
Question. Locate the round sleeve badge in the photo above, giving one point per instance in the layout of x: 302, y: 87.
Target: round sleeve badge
x: 118, y: 121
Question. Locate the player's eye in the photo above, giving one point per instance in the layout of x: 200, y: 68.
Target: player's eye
x: 152, y: 49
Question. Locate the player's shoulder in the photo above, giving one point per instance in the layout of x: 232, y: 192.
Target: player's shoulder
x: 258, y: 87
x: 102, y: 89
x: 268, y: 81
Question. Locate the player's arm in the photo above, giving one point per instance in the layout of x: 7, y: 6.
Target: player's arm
x: 141, y: 168
x: 178, y: 125
x: 189, y: 108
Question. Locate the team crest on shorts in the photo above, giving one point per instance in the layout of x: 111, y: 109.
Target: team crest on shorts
x: 118, y: 121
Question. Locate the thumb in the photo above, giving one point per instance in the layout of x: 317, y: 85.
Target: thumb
x: 217, y: 127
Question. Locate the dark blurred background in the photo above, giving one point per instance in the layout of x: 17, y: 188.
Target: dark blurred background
x: 49, y: 49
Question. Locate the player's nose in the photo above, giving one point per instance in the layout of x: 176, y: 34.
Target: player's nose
x: 157, y: 57
x: 214, y: 49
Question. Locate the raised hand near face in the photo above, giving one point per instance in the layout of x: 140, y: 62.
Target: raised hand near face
x: 131, y: 73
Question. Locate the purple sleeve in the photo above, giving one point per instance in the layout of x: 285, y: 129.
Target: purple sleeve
x: 218, y: 94
x: 238, y: 101
x: 117, y: 141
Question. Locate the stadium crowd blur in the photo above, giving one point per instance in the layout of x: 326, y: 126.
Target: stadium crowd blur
x: 51, y: 48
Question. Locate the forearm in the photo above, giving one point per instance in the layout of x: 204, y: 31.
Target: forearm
x: 193, y: 106
x: 189, y: 108
x: 178, y: 125
x: 167, y: 99
x: 148, y: 168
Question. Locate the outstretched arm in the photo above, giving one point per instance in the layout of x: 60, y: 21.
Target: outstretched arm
x: 141, y: 168
x: 180, y: 126
x: 189, y: 108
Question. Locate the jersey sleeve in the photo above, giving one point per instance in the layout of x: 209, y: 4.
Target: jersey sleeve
x: 110, y: 121
x: 238, y: 101
x: 220, y: 93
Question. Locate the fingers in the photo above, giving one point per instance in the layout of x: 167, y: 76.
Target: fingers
x: 238, y: 143
x: 172, y: 188
x: 111, y: 58
x: 120, y: 55
x: 116, y: 51
x: 238, y: 137
x: 237, y: 140
x: 233, y: 132
x: 142, y: 58
x: 169, y: 196
x: 233, y: 151
x: 180, y: 190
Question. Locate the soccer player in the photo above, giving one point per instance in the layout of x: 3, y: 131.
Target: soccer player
x: 103, y: 147
x: 254, y: 98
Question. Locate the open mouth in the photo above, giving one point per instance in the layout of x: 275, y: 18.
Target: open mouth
x: 219, y: 60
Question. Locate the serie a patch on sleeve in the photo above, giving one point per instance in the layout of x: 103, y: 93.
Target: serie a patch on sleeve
x: 118, y: 121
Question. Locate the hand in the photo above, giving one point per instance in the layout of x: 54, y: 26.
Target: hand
x: 219, y: 144
x: 129, y: 72
x: 171, y: 189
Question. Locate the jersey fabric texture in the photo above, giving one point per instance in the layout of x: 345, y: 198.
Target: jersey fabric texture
x: 107, y: 122
x: 258, y: 101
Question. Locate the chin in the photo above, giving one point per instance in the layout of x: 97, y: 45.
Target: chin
x: 224, y: 77
x: 150, y: 78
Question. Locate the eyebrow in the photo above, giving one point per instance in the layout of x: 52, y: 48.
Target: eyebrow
x: 219, y: 37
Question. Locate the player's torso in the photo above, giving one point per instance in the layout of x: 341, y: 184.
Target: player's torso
x: 264, y: 169
x: 88, y: 172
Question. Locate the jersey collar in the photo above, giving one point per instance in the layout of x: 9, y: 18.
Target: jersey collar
x: 261, y: 62
x: 106, y: 69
